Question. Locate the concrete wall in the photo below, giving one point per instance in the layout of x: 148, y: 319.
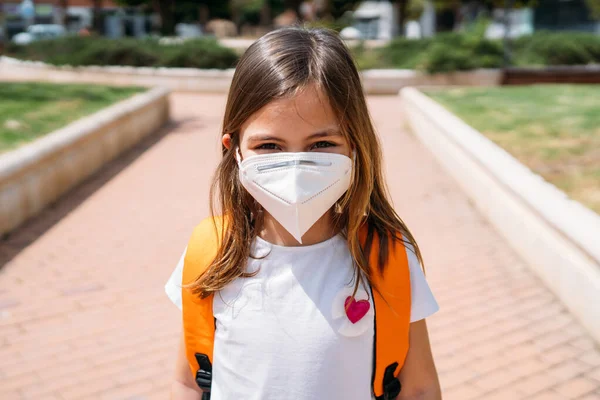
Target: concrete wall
x: 558, y: 237
x: 38, y: 173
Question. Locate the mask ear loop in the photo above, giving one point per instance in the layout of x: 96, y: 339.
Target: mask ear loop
x: 257, y: 205
x: 337, y: 208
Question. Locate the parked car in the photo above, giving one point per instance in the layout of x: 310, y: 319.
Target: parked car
x: 188, y: 30
x: 39, y: 32
x: 373, y: 20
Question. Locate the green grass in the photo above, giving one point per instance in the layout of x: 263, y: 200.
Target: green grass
x: 30, y: 110
x: 553, y: 129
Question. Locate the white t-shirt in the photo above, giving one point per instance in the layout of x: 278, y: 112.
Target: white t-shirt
x: 283, y: 333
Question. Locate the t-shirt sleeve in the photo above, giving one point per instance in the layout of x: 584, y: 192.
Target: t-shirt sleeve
x: 173, y: 285
x: 423, y: 303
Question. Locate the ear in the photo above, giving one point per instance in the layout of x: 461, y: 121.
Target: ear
x: 226, y: 140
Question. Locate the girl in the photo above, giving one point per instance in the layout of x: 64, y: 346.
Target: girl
x: 291, y: 279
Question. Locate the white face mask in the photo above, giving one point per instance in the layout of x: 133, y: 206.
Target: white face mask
x: 296, y: 188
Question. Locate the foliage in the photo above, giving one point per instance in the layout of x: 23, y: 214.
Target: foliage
x: 341, y: 7
x: 335, y: 25
x: 460, y: 51
x: 467, y: 50
x: 82, y: 51
x: 199, y: 53
x: 594, y: 6
x: 366, y: 58
x: 407, y: 53
x: 557, y: 48
x: 248, y: 10
x: 172, y: 11
x: 441, y: 53
x: 414, y: 9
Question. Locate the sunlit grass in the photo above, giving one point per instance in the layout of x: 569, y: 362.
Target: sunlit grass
x: 30, y: 110
x: 553, y: 129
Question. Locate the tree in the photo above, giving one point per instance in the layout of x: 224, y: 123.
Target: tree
x: 247, y: 11
x: 97, y: 16
x: 63, y: 5
x: 412, y: 9
x: 164, y: 8
x: 338, y: 8
x: 402, y: 6
x: 292, y: 5
x: 594, y: 6
x: 172, y: 11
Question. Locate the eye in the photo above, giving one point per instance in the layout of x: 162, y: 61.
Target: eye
x: 323, y: 145
x: 267, y: 146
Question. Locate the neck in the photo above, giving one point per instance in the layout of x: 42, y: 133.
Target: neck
x: 273, y: 232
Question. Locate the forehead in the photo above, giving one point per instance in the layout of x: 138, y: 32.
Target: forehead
x: 305, y: 113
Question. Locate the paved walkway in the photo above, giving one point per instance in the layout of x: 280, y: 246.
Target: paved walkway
x: 83, y: 314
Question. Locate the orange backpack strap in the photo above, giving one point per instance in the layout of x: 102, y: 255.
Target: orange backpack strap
x: 392, y: 300
x: 198, y: 319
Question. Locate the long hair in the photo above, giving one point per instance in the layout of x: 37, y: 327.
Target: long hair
x: 277, y: 66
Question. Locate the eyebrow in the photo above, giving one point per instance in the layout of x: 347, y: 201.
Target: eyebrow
x: 270, y: 138
x: 264, y: 138
x: 325, y: 133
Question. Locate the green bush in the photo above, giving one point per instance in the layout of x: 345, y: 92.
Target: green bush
x: 557, y: 48
x: 460, y: 52
x: 448, y: 52
x: 406, y: 53
x: 199, y: 53
x: 334, y: 25
x: 442, y: 58
x: 444, y: 52
x: 108, y: 52
x: 86, y: 51
x: 367, y: 58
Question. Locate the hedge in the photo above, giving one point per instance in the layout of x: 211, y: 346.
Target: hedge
x: 85, y: 51
x: 444, y: 52
x: 447, y: 52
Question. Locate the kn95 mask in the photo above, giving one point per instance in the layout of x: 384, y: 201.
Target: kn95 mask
x: 296, y: 188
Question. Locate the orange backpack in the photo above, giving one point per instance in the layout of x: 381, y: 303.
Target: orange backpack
x: 392, y: 303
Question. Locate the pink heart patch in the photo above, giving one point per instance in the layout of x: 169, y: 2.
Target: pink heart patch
x: 355, y: 310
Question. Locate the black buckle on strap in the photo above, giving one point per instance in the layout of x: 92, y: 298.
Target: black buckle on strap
x: 391, y: 384
x: 204, y: 373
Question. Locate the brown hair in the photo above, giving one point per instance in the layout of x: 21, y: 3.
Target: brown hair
x: 274, y: 67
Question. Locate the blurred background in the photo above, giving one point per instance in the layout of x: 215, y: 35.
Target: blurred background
x: 383, y: 34
x: 252, y: 18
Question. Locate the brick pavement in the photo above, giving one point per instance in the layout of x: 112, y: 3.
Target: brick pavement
x: 83, y: 313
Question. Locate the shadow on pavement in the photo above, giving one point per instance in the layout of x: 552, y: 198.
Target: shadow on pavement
x: 12, y: 243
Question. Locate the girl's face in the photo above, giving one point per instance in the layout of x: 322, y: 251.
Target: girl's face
x: 303, y: 123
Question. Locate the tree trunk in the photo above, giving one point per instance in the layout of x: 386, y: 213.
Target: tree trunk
x: 166, y: 12
x: 293, y: 5
x: 97, y: 18
x: 327, y: 11
x: 167, y: 17
x: 402, y: 6
x: 203, y: 14
x: 508, y: 6
x: 63, y: 5
x: 265, y: 14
